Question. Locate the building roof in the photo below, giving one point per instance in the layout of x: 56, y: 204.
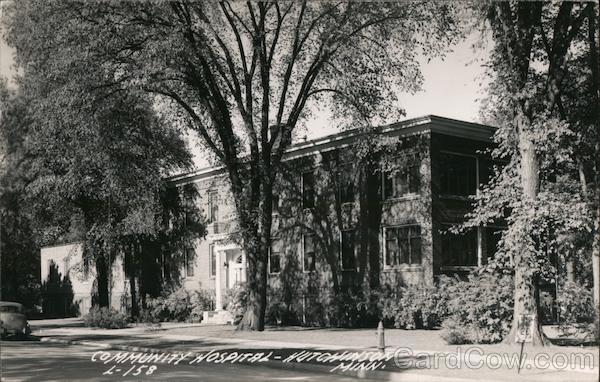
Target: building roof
x: 428, y: 123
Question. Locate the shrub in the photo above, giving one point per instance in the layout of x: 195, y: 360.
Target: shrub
x: 352, y: 309
x: 105, y: 318
x: 414, y: 307
x: 454, y: 333
x: 481, y: 308
x: 201, y: 300
x: 178, y: 305
x: 236, y: 299
x: 171, y: 306
x: 576, y: 304
x: 279, y: 313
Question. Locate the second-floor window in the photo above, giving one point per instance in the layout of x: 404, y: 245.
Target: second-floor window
x: 458, y: 175
x: 308, y: 253
x: 346, y: 184
x: 402, y: 182
x: 213, y: 207
x: 402, y: 246
x: 348, y: 251
x: 308, y: 189
x: 189, y: 262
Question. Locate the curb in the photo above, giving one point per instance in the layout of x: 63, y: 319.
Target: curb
x: 279, y: 365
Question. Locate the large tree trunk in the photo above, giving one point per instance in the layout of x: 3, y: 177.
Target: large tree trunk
x: 257, y: 244
x: 102, y: 281
x: 526, y: 277
x: 254, y: 317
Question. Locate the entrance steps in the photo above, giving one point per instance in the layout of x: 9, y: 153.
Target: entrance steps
x: 217, y: 317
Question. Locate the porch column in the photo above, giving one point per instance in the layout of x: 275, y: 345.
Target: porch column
x: 218, y: 291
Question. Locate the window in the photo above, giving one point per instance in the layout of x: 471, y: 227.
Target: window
x: 213, y: 207
x: 212, y: 261
x: 403, y: 245
x: 458, y: 175
x: 493, y: 236
x: 346, y: 184
x: 402, y: 182
x: 459, y: 249
x: 189, y: 262
x: 348, y: 251
x: 275, y: 203
x: 308, y: 252
x: 275, y: 257
x: 308, y: 190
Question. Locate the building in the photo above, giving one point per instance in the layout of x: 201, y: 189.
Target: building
x: 346, y: 221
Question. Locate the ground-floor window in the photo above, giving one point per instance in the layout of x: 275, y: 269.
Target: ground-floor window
x: 492, y: 239
x: 189, y: 262
x: 402, y: 245
x: 348, y: 250
x: 308, y: 253
x: 275, y: 257
x: 459, y: 249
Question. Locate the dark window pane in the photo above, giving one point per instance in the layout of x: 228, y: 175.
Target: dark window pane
x: 493, y: 236
x: 415, y: 250
x: 391, y: 247
x: 348, y: 254
x: 415, y: 179
x: 274, y: 262
x: 459, y: 249
x: 458, y: 175
x: 402, y: 182
x: 308, y: 190
x: 404, y: 249
x: 189, y: 262
x: 346, y: 184
x: 309, y: 253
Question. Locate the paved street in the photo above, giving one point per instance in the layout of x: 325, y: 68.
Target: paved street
x: 41, y: 361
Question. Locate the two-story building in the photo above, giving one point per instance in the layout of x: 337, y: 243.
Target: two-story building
x: 354, y: 210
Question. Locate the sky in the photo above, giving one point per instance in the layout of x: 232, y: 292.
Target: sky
x: 452, y: 88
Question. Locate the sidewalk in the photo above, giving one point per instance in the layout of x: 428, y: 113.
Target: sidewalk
x: 424, y: 356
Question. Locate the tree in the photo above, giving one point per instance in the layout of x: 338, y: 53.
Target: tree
x: 532, y: 44
x: 245, y: 76
x: 92, y: 161
x: 19, y: 254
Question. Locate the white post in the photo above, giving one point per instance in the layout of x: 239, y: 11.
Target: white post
x: 218, y: 296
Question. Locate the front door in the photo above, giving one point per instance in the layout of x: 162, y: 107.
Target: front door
x: 237, y: 270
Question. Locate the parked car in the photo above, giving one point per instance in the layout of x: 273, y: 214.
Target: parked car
x: 13, y: 320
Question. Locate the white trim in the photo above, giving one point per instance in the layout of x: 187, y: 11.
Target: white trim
x: 425, y: 124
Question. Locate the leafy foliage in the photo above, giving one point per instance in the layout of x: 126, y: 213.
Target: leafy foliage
x: 480, y: 308
x: 178, y: 305
x: 236, y: 300
x: 576, y: 304
x: 102, y: 317
x: 415, y: 307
